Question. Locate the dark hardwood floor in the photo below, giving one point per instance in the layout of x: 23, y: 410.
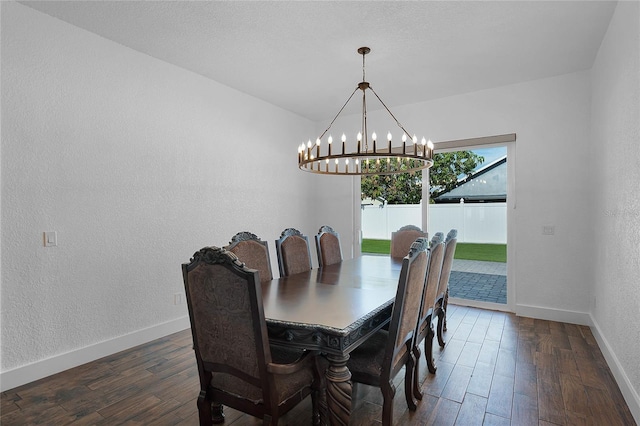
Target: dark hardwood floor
x: 496, y: 369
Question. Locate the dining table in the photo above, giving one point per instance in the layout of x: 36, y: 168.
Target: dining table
x: 332, y: 310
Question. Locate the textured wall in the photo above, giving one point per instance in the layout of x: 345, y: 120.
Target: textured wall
x: 136, y: 164
x: 616, y: 173
x: 551, y: 120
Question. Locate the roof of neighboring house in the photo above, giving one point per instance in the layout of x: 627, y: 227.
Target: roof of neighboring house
x: 487, y: 184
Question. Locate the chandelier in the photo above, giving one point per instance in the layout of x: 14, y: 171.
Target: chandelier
x: 361, y: 159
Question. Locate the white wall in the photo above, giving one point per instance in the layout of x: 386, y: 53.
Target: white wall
x: 136, y: 164
x: 615, y: 125
x: 573, y: 157
x: 551, y: 119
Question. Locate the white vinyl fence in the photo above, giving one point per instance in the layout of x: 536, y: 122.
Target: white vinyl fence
x: 475, y: 222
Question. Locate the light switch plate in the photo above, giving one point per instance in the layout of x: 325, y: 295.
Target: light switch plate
x: 50, y: 239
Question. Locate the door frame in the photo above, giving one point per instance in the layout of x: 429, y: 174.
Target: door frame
x: 507, y: 140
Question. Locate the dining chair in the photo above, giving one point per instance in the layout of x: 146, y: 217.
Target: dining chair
x: 236, y: 365
x: 424, y: 329
x: 328, y: 246
x: 402, y: 239
x: 253, y: 252
x: 294, y: 255
x: 378, y: 360
x: 442, y: 296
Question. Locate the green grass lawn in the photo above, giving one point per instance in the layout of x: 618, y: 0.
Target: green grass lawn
x: 468, y: 251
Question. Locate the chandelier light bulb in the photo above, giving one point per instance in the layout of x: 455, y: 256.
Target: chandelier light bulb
x: 430, y: 144
x: 389, y: 136
x: 373, y: 136
x: 359, y: 137
x: 318, y: 141
x: 404, y: 138
x: 344, y: 137
x: 330, y: 140
x: 415, y: 139
x: 309, y: 143
x: 424, y: 141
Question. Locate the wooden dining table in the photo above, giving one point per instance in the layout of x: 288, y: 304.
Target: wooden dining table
x: 333, y: 310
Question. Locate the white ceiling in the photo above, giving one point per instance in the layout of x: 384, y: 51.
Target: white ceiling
x: 301, y: 55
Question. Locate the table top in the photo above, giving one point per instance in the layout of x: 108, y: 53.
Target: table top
x: 345, y: 301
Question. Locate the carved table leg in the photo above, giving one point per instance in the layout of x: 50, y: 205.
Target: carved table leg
x: 339, y: 389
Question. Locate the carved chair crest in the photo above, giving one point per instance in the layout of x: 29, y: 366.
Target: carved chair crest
x: 328, y: 229
x: 244, y: 236
x: 290, y: 232
x: 215, y: 256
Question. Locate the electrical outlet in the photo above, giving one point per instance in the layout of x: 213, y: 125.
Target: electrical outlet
x: 177, y: 299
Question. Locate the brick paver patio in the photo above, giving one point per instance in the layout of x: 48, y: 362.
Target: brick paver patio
x: 476, y: 280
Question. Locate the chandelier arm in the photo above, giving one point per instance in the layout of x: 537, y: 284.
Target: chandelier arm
x: 339, y: 112
x: 311, y: 159
x: 364, y: 120
x: 390, y: 113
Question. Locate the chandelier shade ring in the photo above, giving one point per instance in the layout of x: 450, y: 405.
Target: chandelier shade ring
x: 378, y: 159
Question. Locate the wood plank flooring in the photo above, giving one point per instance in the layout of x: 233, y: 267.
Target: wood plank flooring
x: 496, y: 369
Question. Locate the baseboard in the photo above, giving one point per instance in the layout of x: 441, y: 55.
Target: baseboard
x: 40, y: 369
x: 629, y: 393
x: 479, y: 304
x: 550, y: 314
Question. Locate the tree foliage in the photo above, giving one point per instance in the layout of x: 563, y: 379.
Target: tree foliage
x: 406, y: 188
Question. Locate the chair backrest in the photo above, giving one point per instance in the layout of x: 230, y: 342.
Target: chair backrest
x: 294, y: 255
x: 436, y: 251
x: 402, y: 239
x: 253, y: 252
x: 229, y: 331
x: 406, y: 308
x: 447, y: 262
x: 328, y: 246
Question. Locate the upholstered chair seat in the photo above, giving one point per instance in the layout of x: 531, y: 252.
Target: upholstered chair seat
x: 286, y: 386
x: 368, y: 357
